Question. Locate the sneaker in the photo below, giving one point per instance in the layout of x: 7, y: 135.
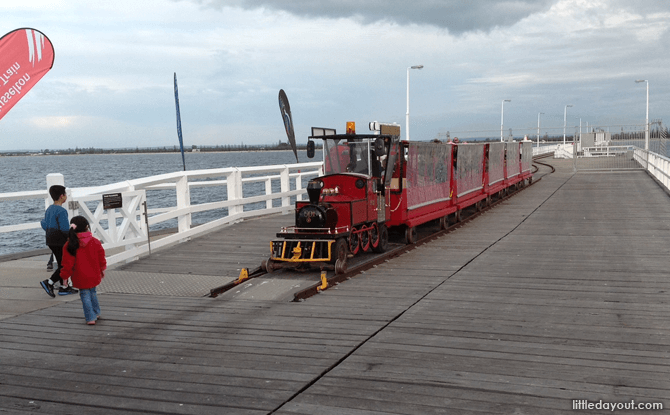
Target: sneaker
x: 50, y: 267
x: 48, y: 288
x: 67, y: 290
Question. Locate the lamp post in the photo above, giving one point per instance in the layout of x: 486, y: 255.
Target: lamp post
x: 565, y: 120
x: 502, y: 113
x: 646, y: 125
x: 580, y: 131
x: 407, y: 114
x: 538, y: 128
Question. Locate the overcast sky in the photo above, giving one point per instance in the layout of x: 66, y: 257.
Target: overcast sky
x: 338, y: 60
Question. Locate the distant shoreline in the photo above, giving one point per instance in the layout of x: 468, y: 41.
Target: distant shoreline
x: 130, y: 153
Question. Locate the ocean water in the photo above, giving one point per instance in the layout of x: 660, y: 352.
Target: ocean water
x: 25, y: 173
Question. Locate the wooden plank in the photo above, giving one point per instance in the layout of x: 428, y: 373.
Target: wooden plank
x: 546, y: 298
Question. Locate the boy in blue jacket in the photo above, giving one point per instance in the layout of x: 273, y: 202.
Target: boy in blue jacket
x: 57, y: 226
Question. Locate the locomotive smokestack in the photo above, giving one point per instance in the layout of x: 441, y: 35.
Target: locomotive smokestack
x: 314, y: 191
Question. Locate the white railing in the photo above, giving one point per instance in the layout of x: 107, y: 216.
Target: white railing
x: 564, y: 151
x: 656, y: 164
x: 132, y: 233
x: 538, y: 151
x: 606, y: 151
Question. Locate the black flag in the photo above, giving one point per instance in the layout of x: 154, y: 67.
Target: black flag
x: 285, y: 109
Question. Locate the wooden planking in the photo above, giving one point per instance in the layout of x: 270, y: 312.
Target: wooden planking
x: 152, y: 356
x: 509, y: 334
x: 467, y: 324
x: 222, y: 252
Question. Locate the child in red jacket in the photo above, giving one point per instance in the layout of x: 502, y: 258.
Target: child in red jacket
x: 84, y: 261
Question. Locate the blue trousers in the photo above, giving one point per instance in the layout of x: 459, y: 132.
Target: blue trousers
x: 89, y: 299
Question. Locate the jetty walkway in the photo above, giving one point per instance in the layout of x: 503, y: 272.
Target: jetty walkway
x: 556, y: 297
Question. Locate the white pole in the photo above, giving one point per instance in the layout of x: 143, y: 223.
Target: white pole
x: 565, y: 120
x: 502, y: 117
x: 646, y: 125
x: 646, y: 130
x: 407, y: 114
x: 538, y: 128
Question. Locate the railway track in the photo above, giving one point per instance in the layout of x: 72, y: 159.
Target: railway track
x: 362, y: 263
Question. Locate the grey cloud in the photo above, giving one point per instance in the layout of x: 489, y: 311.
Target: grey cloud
x: 643, y: 6
x: 457, y: 16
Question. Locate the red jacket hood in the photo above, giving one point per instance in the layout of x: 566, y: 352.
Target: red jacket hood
x: 84, y: 238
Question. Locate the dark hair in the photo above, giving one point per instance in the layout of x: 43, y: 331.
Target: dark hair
x: 56, y: 191
x: 80, y: 225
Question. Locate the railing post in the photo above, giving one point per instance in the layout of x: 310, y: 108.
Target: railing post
x: 298, y: 185
x: 285, y: 188
x: 234, y: 188
x: 268, y: 191
x: 52, y: 180
x: 183, y: 202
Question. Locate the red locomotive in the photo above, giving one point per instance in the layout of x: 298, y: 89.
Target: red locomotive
x: 358, y: 198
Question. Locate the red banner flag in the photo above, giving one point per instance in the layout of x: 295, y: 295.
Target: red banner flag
x: 26, y: 55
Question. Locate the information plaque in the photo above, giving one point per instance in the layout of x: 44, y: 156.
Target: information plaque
x: 112, y: 201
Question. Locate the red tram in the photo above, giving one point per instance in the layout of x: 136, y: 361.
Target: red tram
x: 373, y: 182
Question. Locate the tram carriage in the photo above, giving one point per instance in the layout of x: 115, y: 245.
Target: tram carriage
x: 373, y: 182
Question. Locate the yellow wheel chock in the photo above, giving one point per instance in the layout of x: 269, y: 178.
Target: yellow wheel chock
x: 324, y: 282
x: 244, y: 274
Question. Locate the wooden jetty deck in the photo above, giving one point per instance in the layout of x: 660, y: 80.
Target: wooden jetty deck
x: 560, y: 293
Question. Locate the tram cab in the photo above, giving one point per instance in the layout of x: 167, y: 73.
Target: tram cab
x: 348, y: 206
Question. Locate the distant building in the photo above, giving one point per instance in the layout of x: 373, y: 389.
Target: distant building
x: 596, y: 139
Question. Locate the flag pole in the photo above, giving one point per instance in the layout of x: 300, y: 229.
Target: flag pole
x: 176, y: 102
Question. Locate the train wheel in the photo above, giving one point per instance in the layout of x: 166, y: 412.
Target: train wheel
x: 373, y: 235
x: 444, y: 222
x: 340, y: 267
x: 364, y: 238
x: 489, y: 199
x: 478, y: 206
x: 410, y: 235
x: 383, y: 244
x: 267, y: 266
x: 457, y: 216
x: 354, y: 242
x: 530, y: 180
x: 340, y: 251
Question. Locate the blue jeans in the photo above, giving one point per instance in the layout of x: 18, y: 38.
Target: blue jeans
x: 89, y: 299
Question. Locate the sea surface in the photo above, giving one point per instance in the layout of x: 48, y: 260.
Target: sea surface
x: 26, y: 173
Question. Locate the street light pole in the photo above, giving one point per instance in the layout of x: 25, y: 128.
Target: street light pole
x: 565, y: 120
x: 502, y: 113
x: 407, y: 114
x: 646, y: 127
x: 538, y: 128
